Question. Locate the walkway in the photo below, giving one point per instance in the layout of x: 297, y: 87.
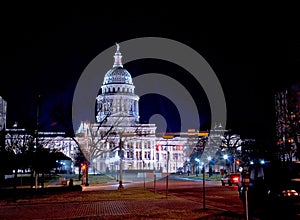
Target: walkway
x: 121, y: 209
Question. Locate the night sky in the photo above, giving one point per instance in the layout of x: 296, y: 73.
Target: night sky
x: 254, y: 53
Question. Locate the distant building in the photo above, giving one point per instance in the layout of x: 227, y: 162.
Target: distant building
x: 51, y: 140
x: 287, y: 107
x: 3, y: 109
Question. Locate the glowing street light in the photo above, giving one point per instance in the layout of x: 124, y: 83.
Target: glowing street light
x: 198, y: 166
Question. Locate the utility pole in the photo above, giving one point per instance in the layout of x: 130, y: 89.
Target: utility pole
x: 167, y: 177
x: 37, y: 135
x: 204, y: 199
x: 87, y: 164
x: 204, y: 134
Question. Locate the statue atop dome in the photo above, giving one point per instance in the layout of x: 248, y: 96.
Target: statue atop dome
x: 118, y: 57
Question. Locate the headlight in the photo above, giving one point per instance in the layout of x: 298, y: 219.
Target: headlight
x: 289, y: 193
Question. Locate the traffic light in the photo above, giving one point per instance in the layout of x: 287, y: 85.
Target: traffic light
x: 238, y: 162
x: 83, y: 166
x: 158, y: 146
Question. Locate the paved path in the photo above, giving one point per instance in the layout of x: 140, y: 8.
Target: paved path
x: 118, y: 209
x: 122, y: 209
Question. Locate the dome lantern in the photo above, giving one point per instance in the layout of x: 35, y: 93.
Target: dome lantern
x: 118, y: 57
x: 117, y: 74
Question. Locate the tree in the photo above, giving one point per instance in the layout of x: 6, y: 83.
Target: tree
x: 197, y: 152
x: 287, y: 106
x: 79, y: 160
x: 6, y: 163
x: 231, y: 145
x: 17, y: 143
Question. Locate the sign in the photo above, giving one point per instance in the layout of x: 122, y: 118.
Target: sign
x: 203, y: 133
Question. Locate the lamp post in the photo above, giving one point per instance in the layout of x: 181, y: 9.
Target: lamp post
x: 204, y: 134
x: 167, y: 177
x: 198, y: 166
x: 144, y: 174
x: 204, y: 199
x: 121, y: 154
x: 87, y: 162
x: 188, y: 171
x: 167, y: 137
x: 225, y: 157
x: 204, y: 205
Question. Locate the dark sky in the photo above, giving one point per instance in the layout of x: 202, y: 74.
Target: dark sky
x: 254, y: 53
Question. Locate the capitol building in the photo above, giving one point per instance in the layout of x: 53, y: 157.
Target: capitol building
x: 118, y: 136
x: 117, y: 139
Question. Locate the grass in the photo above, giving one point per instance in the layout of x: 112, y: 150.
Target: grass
x: 91, y: 196
x: 24, y: 180
x: 95, y: 179
x: 213, y: 177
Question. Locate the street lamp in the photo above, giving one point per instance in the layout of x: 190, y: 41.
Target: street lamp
x: 225, y: 157
x: 209, y: 159
x: 121, y: 154
x: 198, y: 166
x: 144, y: 174
x: 168, y: 158
x: 83, y: 168
x: 167, y: 178
x: 188, y: 163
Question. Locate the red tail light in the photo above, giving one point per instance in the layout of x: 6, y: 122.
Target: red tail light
x: 235, y: 179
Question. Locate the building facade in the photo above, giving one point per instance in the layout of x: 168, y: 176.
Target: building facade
x: 287, y: 109
x: 118, y: 132
x: 3, y: 109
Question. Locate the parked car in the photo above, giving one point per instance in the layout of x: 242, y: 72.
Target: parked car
x: 273, y: 191
x: 231, y: 179
x: 179, y: 170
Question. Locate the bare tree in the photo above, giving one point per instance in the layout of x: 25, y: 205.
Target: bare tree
x: 18, y: 143
x: 287, y: 106
x: 231, y: 145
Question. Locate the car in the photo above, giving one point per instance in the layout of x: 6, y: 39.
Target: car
x: 179, y: 170
x: 273, y: 190
x: 231, y: 179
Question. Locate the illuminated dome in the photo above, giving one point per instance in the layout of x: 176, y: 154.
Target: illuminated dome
x: 117, y: 97
x: 117, y: 74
